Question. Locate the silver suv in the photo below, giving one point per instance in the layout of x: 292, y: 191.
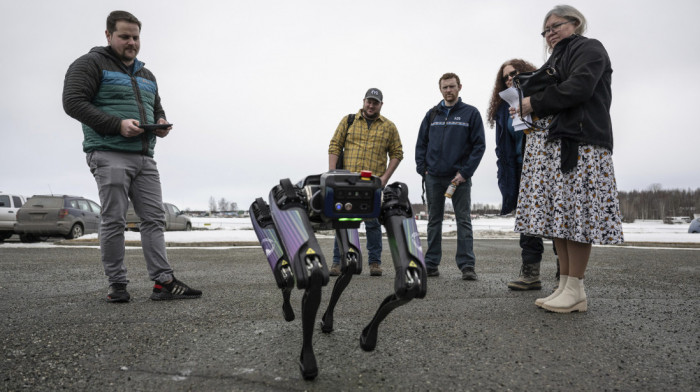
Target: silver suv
x: 9, y: 204
x: 49, y: 215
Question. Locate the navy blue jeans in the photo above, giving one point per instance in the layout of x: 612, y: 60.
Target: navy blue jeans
x: 435, y: 188
x: 532, y: 249
x: 374, y: 242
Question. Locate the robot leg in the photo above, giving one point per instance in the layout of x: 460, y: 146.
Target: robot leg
x: 407, y: 255
x: 287, y: 207
x: 350, y: 263
x: 298, y: 240
x: 279, y: 262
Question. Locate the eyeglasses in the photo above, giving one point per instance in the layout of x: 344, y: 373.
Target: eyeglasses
x: 509, y: 75
x: 554, y: 27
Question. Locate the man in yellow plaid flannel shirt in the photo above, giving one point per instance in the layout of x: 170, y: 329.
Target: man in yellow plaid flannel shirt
x: 365, y: 145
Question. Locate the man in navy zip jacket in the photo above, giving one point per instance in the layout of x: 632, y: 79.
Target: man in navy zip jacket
x: 450, y: 145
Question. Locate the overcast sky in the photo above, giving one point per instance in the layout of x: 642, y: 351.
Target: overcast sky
x: 256, y: 89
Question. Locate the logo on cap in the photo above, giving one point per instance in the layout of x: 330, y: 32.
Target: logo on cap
x: 374, y: 93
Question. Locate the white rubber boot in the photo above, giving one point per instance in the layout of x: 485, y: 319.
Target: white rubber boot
x: 572, y: 299
x: 562, y: 283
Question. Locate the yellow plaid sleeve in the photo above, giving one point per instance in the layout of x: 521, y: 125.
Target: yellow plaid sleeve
x: 338, y: 140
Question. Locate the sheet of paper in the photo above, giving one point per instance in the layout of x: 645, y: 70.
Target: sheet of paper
x: 511, y: 95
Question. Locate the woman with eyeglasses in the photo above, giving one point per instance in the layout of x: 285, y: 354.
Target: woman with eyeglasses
x: 510, y: 145
x: 568, y: 190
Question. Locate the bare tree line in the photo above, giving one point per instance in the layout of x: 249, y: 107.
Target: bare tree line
x: 658, y: 203
x: 652, y: 203
x: 222, y: 205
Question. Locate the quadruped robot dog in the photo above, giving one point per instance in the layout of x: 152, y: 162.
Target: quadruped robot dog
x: 337, y: 200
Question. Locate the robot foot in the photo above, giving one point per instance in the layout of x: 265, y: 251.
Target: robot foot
x: 309, y: 307
x: 307, y: 366
x: 368, y: 338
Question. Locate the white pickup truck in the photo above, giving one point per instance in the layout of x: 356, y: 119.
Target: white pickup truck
x: 9, y: 204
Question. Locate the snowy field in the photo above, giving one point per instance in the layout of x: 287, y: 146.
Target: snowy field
x: 241, y: 229
x: 237, y: 230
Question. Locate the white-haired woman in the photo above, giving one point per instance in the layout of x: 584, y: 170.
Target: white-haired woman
x: 568, y: 190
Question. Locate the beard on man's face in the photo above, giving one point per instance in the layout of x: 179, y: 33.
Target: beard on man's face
x: 371, y: 117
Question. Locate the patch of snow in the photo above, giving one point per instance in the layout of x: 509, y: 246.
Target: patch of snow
x: 240, y: 230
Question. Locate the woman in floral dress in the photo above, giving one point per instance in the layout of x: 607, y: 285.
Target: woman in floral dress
x: 567, y: 190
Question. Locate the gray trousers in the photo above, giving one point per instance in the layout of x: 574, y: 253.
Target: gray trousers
x: 120, y: 177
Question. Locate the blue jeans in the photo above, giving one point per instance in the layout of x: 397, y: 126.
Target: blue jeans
x: 435, y: 188
x: 374, y: 243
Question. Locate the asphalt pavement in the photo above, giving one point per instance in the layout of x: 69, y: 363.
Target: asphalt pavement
x: 641, y: 332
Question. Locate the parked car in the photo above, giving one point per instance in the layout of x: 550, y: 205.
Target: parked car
x: 694, y: 226
x: 50, y: 215
x: 670, y: 220
x: 174, y: 219
x: 9, y: 204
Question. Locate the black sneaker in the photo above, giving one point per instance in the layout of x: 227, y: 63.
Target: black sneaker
x: 468, y: 273
x: 433, y: 272
x: 117, y: 293
x: 173, y: 290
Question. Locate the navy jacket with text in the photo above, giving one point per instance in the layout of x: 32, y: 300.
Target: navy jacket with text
x: 453, y: 142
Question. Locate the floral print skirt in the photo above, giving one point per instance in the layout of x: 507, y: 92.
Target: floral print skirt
x: 580, y: 206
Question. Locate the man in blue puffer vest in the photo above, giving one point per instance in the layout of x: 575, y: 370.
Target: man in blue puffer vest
x: 448, y: 151
x: 111, y: 93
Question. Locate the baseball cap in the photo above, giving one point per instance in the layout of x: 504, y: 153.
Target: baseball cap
x: 375, y: 94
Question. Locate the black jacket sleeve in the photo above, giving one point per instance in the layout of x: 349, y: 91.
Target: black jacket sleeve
x: 80, y: 86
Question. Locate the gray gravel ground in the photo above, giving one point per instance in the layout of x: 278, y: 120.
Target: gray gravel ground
x: 641, y: 332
